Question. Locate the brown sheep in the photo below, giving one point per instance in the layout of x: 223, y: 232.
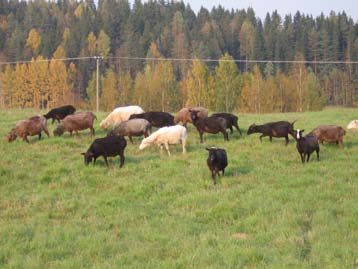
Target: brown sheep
x: 329, y: 133
x: 76, y: 122
x: 184, y: 114
x: 30, y: 127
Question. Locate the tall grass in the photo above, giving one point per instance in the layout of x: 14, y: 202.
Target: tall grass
x: 268, y: 211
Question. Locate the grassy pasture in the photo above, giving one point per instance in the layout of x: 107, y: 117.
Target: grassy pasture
x: 268, y: 211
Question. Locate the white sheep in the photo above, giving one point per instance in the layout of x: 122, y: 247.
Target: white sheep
x: 166, y: 136
x: 120, y: 114
x: 353, y: 124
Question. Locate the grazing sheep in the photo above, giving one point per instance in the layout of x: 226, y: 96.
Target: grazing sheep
x: 134, y: 127
x: 166, y: 136
x: 306, y: 145
x: 76, y: 122
x: 217, y: 161
x: 353, y: 125
x: 120, y: 114
x: 273, y: 129
x: 329, y: 133
x: 184, y: 114
x: 109, y: 146
x: 212, y: 125
x: 231, y: 120
x: 60, y: 113
x: 30, y: 127
x: 156, y: 118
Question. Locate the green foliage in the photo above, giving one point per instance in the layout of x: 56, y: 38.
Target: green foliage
x: 268, y: 211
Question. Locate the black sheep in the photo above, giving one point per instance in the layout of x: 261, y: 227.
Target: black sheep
x: 217, y: 161
x: 156, y: 118
x: 109, y: 146
x: 60, y: 113
x: 306, y: 145
x: 212, y: 125
x: 231, y: 120
x: 273, y: 129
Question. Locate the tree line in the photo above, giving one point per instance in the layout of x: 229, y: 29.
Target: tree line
x: 274, y: 65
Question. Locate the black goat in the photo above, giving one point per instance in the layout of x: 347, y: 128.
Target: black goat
x: 109, y: 146
x: 212, y: 125
x: 60, y: 113
x: 306, y: 145
x: 156, y: 118
x: 231, y: 120
x: 217, y: 161
x: 273, y: 129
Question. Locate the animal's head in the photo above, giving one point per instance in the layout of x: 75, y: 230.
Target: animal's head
x: 212, y: 153
x: 11, y: 136
x: 252, y: 129
x: 194, y: 114
x: 104, y: 124
x: 59, y: 130
x: 297, y: 134
x: 353, y: 124
x: 145, y: 143
x: 133, y: 116
x: 88, y: 156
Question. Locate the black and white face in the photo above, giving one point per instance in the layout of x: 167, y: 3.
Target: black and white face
x: 299, y: 134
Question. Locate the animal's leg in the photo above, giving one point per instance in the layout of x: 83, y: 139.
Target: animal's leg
x: 105, y: 160
x: 92, y: 131
x: 238, y: 128
x: 130, y: 139
x: 308, y: 157
x: 317, y: 152
x: 270, y: 138
x: 40, y: 136
x: 167, y: 148
x: 226, y: 136
x: 287, y: 140
x: 121, y: 155
x: 201, y: 137
x: 183, y: 143
x: 213, y: 176
x: 25, y: 139
x: 77, y: 133
x: 223, y: 171
x: 94, y: 160
x: 261, y: 136
x: 46, y: 131
x: 341, y: 143
x: 71, y: 133
x: 231, y: 130
x: 302, y: 157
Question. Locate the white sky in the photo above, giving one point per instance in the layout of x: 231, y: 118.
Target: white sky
x: 283, y: 7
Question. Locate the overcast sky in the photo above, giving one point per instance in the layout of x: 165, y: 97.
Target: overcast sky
x: 283, y: 7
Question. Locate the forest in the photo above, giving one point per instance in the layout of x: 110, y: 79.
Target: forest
x: 162, y: 55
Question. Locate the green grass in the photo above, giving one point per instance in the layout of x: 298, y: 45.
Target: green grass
x: 268, y: 211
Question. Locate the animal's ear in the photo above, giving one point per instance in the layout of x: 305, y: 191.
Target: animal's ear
x: 208, y: 149
x: 302, y: 130
x: 83, y: 153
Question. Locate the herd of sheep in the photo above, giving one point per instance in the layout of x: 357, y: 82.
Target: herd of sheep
x: 133, y: 121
